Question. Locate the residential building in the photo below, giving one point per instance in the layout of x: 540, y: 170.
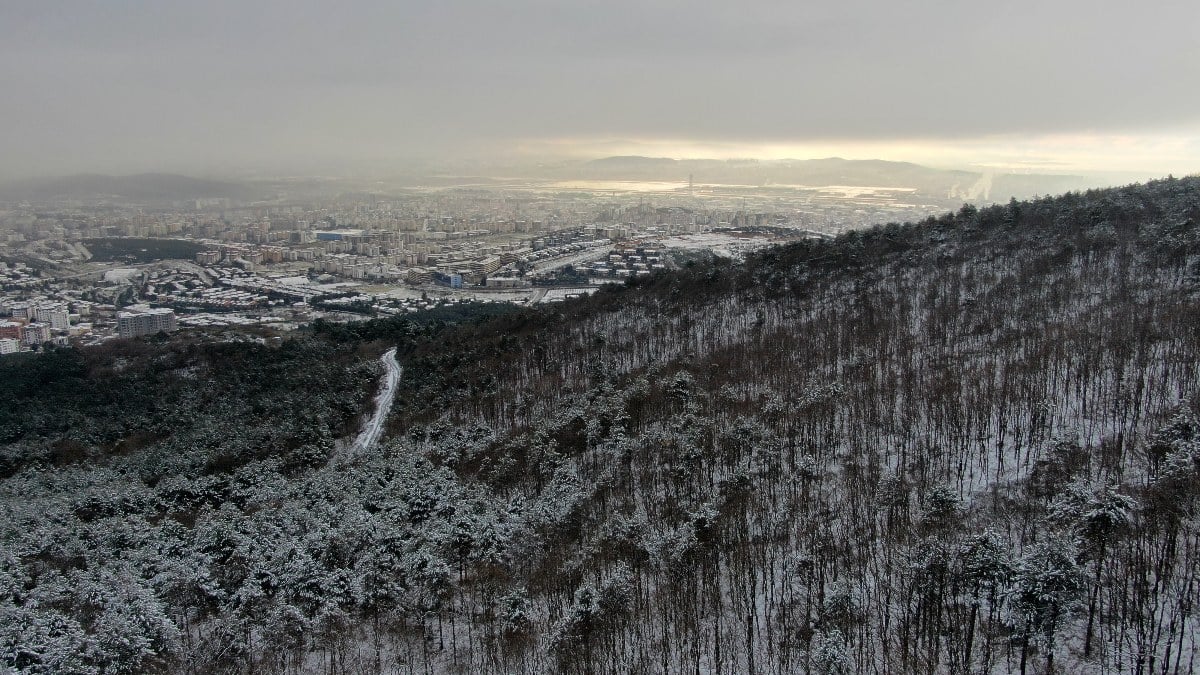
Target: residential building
x: 35, y: 333
x: 57, y: 316
x: 144, y: 321
x: 208, y: 257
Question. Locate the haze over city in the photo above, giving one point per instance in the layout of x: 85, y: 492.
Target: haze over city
x: 224, y: 88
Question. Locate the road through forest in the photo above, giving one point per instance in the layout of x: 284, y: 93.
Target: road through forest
x: 369, y: 436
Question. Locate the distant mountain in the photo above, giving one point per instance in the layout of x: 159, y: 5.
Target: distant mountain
x: 146, y: 187
x: 164, y: 189
x: 635, y: 162
x: 820, y: 172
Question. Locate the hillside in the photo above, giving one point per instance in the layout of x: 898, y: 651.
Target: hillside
x: 969, y: 444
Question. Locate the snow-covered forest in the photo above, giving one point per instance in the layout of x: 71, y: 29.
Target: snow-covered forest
x: 966, y: 445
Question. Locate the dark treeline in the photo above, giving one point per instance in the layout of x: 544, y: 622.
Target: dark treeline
x: 141, y: 250
x: 965, y: 445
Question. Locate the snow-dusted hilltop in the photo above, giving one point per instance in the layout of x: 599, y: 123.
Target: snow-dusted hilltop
x: 965, y: 445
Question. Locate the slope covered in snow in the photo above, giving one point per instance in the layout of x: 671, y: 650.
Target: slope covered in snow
x: 964, y: 445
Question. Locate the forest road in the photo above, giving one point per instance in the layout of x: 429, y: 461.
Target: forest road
x: 369, y: 436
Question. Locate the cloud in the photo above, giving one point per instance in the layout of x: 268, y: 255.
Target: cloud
x: 149, y: 84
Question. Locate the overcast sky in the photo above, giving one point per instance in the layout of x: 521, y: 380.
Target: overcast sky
x: 123, y: 86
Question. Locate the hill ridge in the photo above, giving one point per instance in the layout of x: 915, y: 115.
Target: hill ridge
x: 970, y: 443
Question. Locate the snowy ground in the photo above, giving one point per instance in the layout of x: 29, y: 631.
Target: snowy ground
x: 724, y: 245
x: 369, y: 436
x: 560, y: 294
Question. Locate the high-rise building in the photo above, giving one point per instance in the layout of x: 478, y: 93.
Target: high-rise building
x: 9, y: 346
x: 145, y: 321
x: 35, y: 333
x: 57, y: 316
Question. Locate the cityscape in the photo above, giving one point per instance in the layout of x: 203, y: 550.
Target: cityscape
x: 86, y: 270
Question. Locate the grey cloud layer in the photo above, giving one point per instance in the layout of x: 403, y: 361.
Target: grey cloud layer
x: 132, y: 83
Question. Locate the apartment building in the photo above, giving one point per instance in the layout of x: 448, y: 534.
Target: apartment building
x: 144, y: 321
